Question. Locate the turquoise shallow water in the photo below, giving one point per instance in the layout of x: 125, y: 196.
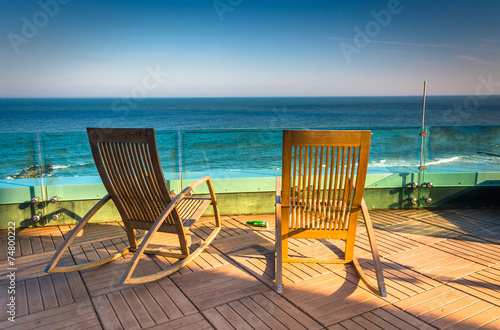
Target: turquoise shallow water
x: 228, y: 134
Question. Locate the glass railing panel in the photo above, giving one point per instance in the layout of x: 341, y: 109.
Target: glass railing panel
x: 247, y: 152
x: 464, y: 149
x: 19, y: 156
x: 67, y: 154
x: 395, y: 150
x: 392, y: 149
x: 168, y: 144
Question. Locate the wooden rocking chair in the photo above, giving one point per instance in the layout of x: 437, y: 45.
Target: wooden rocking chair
x: 127, y: 161
x: 319, y: 197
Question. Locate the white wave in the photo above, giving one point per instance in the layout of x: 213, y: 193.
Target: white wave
x: 58, y: 167
x: 444, y: 160
x: 392, y: 162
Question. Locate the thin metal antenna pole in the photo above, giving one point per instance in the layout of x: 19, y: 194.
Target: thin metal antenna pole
x: 40, y: 172
x: 423, y: 135
x: 423, y: 107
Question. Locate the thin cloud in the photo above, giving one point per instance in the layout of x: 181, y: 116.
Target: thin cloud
x: 447, y: 46
x: 427, y: 62
x: 398, y: 43
x: 472, y: 59
x: 492, y: 41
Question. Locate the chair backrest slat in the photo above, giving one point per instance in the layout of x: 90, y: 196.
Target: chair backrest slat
x: 128, y: 163
x: 319, y: 172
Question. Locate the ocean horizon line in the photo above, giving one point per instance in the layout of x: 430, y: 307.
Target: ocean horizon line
x: 232, y: 97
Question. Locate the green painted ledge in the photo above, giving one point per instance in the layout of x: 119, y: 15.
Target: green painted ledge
x: 241, y: 195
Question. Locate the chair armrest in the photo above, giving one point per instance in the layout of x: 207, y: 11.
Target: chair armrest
x: 211, y: 190
x: 195, y: 184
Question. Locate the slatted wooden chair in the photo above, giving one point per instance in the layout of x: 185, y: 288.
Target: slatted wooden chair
x: 127, y: 161
x: 319, y: 199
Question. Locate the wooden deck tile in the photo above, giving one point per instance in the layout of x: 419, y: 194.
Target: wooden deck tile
x: 42, y: 293
x: 419, y: 213
x: 220, y: 285
x: 142, y: 309
x: 96, y: 231
x: 248, y: 244
x: 359, y: 301
x: 79, y: 315
x: 466, y: 313
x: 30, y: 241
x: 209, y: 258
x: 193, y: 321
x: 32, y: 265
x: 143, y: 305
x: 484, y: 214
x: 317, y: 249
x: 261, y: 311
x: 457, y: 222
x: 384, y: 219
x: 388, y: 243
x: 429, y: 299
x: 436, y: 264
x: 445, y: 307
x: 259, y: 266
x: 106, y: 279
x: 471, y: 248
x: 388, y: 317
x: 400, y: 281
x: 421, y: 232
x: 484, y: 284
x: 310, y: 289
x: 330, y: 298
x: 491, y: 234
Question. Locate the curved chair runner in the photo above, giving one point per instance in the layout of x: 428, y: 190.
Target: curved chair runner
x: 127, y: 161
x: 318, y: 197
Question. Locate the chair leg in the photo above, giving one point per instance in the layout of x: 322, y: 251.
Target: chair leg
x: 279, y: 253
x: 51, y: 267
x: 127, y: 277
x: 380, y: 287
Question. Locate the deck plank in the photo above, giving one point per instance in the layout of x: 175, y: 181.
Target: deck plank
x: 48, y: 292
x: 193, y: 321
x: 105, y: 312
x: 141, y: 311
x: 216, y: 288
x: 122, y: 311
x: 34, y: 296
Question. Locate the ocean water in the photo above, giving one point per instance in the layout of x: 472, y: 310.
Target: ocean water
x: 244, y: 134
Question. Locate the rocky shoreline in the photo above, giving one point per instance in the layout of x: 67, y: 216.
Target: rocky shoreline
x: 32, y: 172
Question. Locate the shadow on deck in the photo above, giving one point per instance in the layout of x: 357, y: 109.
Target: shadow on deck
x: 441, y: 267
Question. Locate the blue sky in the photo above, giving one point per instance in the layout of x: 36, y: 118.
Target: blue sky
x: 187, y: 48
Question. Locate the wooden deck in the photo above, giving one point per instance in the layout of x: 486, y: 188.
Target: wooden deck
x: 441, y: 267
